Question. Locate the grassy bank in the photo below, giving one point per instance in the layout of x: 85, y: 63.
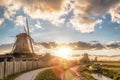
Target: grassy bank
x: 12, y: 77
x: 88, y: 75
x: 50, y: 74
x: 84, y: 71
x: 111, y: 69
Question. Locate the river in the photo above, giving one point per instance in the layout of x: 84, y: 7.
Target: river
x: 100, y: 77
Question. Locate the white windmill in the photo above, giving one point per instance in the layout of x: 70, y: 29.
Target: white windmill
x: 23, y: 47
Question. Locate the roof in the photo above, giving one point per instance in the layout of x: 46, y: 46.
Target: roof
x: 22, y: 35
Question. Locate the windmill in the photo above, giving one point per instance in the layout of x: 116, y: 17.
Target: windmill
x: 23, y: 46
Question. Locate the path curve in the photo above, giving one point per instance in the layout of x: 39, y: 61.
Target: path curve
x: 72, y: 74
x: 31, y: 74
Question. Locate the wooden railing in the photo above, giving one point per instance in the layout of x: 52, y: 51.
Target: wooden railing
x: 12, y: 67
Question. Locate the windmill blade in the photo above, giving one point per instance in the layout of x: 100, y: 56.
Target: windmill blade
x: 25, y: 30
x: 31, y: 39
x: 28, y: 32
x: 31, y: 45
x: 14, y: 46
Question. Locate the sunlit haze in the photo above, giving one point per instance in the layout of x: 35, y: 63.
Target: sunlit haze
x: 64, y: 52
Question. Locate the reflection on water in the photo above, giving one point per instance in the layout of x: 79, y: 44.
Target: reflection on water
x: 100, y: 77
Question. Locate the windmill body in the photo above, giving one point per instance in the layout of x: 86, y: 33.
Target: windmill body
x: 22, y: 44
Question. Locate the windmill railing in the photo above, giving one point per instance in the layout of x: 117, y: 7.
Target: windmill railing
x: 18, y: 65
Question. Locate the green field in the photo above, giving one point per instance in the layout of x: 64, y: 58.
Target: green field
x: 111, y: 69
x: 108, y: 69
x: 84, y: 71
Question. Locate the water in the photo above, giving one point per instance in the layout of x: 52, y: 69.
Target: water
x: 100, y: 77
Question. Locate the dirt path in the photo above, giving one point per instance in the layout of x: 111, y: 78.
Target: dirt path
x: 72, y: 74
x: 31, y: 74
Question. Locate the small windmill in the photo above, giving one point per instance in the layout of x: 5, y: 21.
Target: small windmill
x: 23, y: 46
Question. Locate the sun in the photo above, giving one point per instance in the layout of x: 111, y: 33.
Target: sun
x: 64, y: 52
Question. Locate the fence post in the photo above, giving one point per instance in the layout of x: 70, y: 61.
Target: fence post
x: 37, y: 65
x: 13, y: 66
x: 21, y: 65
x: 5, y: 62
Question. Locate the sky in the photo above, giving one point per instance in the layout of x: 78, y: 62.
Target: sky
x: 61, y: 20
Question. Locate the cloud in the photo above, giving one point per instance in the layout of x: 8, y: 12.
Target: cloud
x: 96, y: 7
x: 40, y: 6
x: 82, y: 45
x: 4, y: 2
x: 1, y: 20
x: 5, y: 48
x: 9, y: 12
x: 20, y: 21
x: 97, y: 46
x: 88, y: 46
x: 84, y: 24
x: 86, y: 11
x: 39, y: 49
x: 50, y: 10
x: 38, y: 25
x: 115, y: 14
x: 9, y: 8
x: 113, y: 45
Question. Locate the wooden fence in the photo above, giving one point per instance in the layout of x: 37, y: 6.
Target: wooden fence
x: 13, y: 67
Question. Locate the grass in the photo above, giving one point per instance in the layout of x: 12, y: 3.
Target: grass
x: 83, y: 70
x: 12, y: 77
x: 115, y: 67
x: 111, y: 69
x: 88, y: 75
x: 50, y: 74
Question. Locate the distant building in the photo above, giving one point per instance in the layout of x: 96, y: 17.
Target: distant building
x: 85, y: 59
x: 95, y: 58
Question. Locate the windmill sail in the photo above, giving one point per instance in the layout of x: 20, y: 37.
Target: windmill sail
x: 25, y: 29
x: 13, y: 47
x: 28, y: 32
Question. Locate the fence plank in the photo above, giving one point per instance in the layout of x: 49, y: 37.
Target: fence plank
x: 1, y: 70
x: 10, y: 68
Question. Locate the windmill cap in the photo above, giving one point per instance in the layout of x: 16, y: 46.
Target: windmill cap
x: 22, y: 35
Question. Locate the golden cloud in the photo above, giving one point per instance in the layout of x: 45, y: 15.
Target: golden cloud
x: 85, y: 12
